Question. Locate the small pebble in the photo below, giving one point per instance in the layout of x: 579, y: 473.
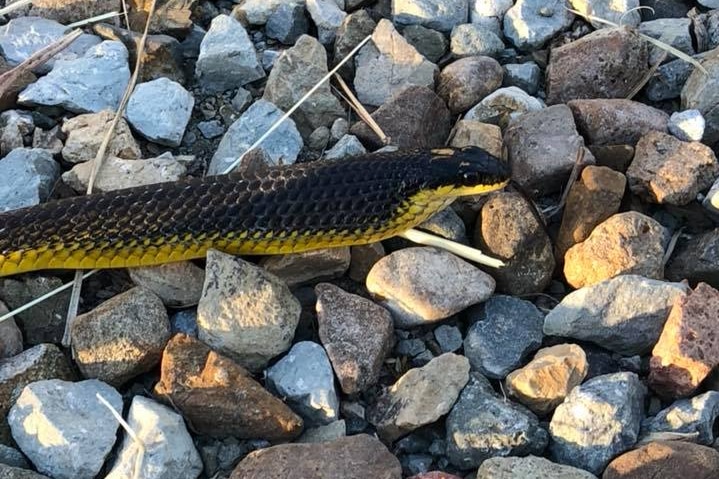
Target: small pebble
x: 346, y: 147
x: 530, y: 23
x: 448, y: 337
x: 441, y: 15
x: 471, y: 40
x: 241, y: 100
x: 687, y: 125
x: 522, y: 75
x: 211, y: 129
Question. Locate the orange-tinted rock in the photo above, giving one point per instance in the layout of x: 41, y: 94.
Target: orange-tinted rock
x: 665, y: 460
x: 616, y: 121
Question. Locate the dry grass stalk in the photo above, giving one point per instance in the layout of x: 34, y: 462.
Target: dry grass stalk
x: 648, y: 76
x: 14, y: 6
x: 361, y: 111
x: 130, y: 432
x: 97, y: 18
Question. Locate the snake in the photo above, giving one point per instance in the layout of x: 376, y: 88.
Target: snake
x: 278, y: 210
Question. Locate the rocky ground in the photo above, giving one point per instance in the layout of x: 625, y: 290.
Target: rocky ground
x: 592, y: 353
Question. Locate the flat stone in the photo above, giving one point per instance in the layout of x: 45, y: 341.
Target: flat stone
x: 327, y: 16
x: 178, y: 285
x: 168, y: 447
x: 674, y: 32
x: 470, y: 39
x: 66, y: 415
x: 297, y: 269
x: 526, y: 467
x: 529, y: 24
x: 483, y: 424
x: 193, y: 377
x: 430, y: 43
x: 441, y: 15
x: 665, y: 460
x: 687, y: 349
x: 27, y: 176
x: 345, y: 147
x: 504, y: 332
x: 701, y: 92
x: 626, y: 243
x: 465, y: 82
x: 616, y: 121
x: 696, y: 259
x: 357, y: 335
x: 506, y: 104
x: 91, y: 83
x: 227, y: 57
x: 159, y: 110
x: 694, y: 415
x: 475, y: 133
x: 85, y: 133
x: 597, y: 421
x: 522, y: 75
x: 669, y: 171
x: 353, y: 457
x: 687, y: 125
x: 287, y: 23
x: 245, y: 312
x: 442, y: 285
x: 420, y: 396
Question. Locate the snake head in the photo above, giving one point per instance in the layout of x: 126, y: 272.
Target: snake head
x: 470, y: 170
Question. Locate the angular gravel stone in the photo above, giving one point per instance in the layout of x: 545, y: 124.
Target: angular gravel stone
x: 625, y: 314
x: 330, y: 432
x: 85, y: 134
x: 10, y: 337
x: 281, y: 147
x: 15, y: 127
x: 169, y: 450
x: 530, y: 23
x: 297, y: 269
x: 258, y: 12
x: 363, y: 258
x: 509, y: 103
x: 65, y: 415
x: 420, y: 396
x: 354, y: 28
x: 357, y: 335
x: 687, y: 125
x: 211, y: 129
x: 528, y: 467
x: 346, y: 147
x: 475, y: 133
x: 442, y: 15
x: 327, y: 17
x: 178, y: 285
x: 287, y: 23
x: 430, y: 43
x: 482, y: 424
x: 701, y: 92
x: 696, y: 259
x: 227, y: 57
x: 447, y: 224
x: 668, y: 81
x: 91, y: 83
x: 27, y: 176
x: 448, y: 337
x: 472, y: 40
x: 694, y: 415
x: 245, y: 311
x: 626, y: 243
x: 599, y: 420
x: 303, y: 377
x: 522, y: 75
x: 159, y: 110
x: 504, y: 331
x: 442, y: 285
x: 665, y: 460
x: 463, y: 83
x: 624, y: 12
x: 387, y: 65
x: 671, y: 31
x: 12, y: 457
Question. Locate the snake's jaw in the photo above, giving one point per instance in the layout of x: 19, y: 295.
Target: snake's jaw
x: 471, y: 170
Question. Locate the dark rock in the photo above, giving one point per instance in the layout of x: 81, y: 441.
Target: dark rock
x: 463, y: 83
x: 696, y: 259
x: 430, y: 43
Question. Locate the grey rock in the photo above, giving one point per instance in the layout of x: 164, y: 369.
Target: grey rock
x: 523, y: 75
x: 287, y: 23
x: 191, y: 44
x: 326, y: 433
x: 48, y: 140
x: 90, y: 83
x: 701, y: 92
x: 241, y: 100
x: 211, y: 129
x: 339, y: 128
x: 669, y: 79
x: 471, y: 40
x: 347, y: 146
x: 227, y: 56
x: 66, y: 415
x: 430, y: 43
x: 16, y: 127
x: 506, y: 103
x: 12, y: 457
x: 696, y: 259
x: 528, y: 467
x: 475, y: 133
x: 482, y: 424
x: 184, y: 321
x: 178, y: 285
x: 159, y: 110
x: 711, y: 201
x: 442, y: 15
x: 530, y: 23
x: 505, y: 331
x: 327, y: 17
x: 319, y: 139
x: 19, y: 473
x: 354, y: 28
x: 296, y: 269
x: 448, y: 337
x: 597, y: 421
x: 447, y: 224
x: 691, y: 415
x: 480, y: 10
x: 687, y: 125
x: 269, y: 58
x: 417, y: 463
x: 465, y: 82
x: 623, y: 12
x: 671, y: 31
x: 281, y: 147
x: 410, y: 347
x: 258, y: 12
x: 304, y: 379
x: 10, y: 336
x: 27, y: 177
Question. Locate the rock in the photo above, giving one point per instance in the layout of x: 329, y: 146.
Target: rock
x: 242, y: 100
x: 193, y: 377
x: 506, y: 103
x: 616, y: 121
x: 330, y: 432
x: 482, y: 425
x: 297, y: 269
x: 404, y: 119
x: 624, y: 314
x: 15, y: 127
x: 504, y: 332
x: 671, y: 31
x: 297, y: 70
x: 171, y: 17
x: 12, y: 457
x: 592, y: 199
x: 696, y: 260
x: 117, y: 173
x: 357, y: 335
x: 9, y: 472
x: 449, y: 338
x: 346, y: 147
x: 687, y: 349
x: 439, y: 15
x: 227, y: 57
x: 668, y: 81
x: 701, y: 92
x: 527, y: 467
x: 245, y: 311
x: 507, y: 229
x: 352, y: 457
x: 665, y: 460
x: 522, y: 75
x: 66, y: 415
x: 475, y: 133
x: 86, y: 132
x: 470, y: 40
x: 10, y: 338
x: 387, y: 65
x: 340, y: 128
x: 178, y: 285
x: 482, y: 9
x: 91, y: 83
x: 411, y: 348
x: 211, y: 129
x: 420, y: 396
x: 549, y: 377
x: 624, y: 12
x: 121, y: 338
x: 327, y: 16
x: 626, y: 243
x: 169, y: 450
x: 711, y: 201
x: 447, y: 224
x: 287, y: 23
x: 8, y: 97
x: 362, y: 260
x: 429, y: 43
x: 159, y: 110
x: 70, y: 11
x: 27, y: 177
x: 319, y: 139
x: 463, y: 83
x: 48, y: 140
x: 184, y: 321
x: 303, y: 377
x: 597, y: 421
x: 258, y: 12
x: 354, y: 28
x: 687, y: 125
x: 435, y: 475
x: 281, y: 147
x: 442, y: 285
x: 695, y: 415
x: 607, y: 63
x: 530, y: 23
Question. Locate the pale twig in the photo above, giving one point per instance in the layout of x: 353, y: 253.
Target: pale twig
x: 648, y: 76
x: 672, y: 244
x: 130, y: 432
x: 459, y: 249
x: 97, y: 18
x: 124, y: 13
x: 14, y: 6
x: 361, y: 111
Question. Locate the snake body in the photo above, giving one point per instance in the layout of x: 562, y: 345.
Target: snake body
x: 282, y: 210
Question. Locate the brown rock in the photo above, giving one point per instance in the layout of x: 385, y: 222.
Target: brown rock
x: 688, y: 348
x: 616, y: 157
x: 667, y: 170
x: 665, y: 460
x: 696, y: 259
x: 353, y: 457
x: 170, y: 16
x: 463, y: 83
x: 626, y: 243
x: 362, y: 258
x: 414, y: 118
x: 218, y: 397
x: 475, y: 133
x: 616, y: 122
x: 309, y: 266
x: 357, y: 335
x: 591, y: 200
x: 507, y: 229
x: 70, y: 11
x: 607, y: 63
x: 85, y: 134
x: 529, y: 467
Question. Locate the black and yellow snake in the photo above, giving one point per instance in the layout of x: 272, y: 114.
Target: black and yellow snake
x: 285, y: 209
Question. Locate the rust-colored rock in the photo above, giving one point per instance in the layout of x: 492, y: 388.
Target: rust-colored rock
x: 665, y: 460
x: 688, y: 348
x: 218, y: 397
x: 616, y: 122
